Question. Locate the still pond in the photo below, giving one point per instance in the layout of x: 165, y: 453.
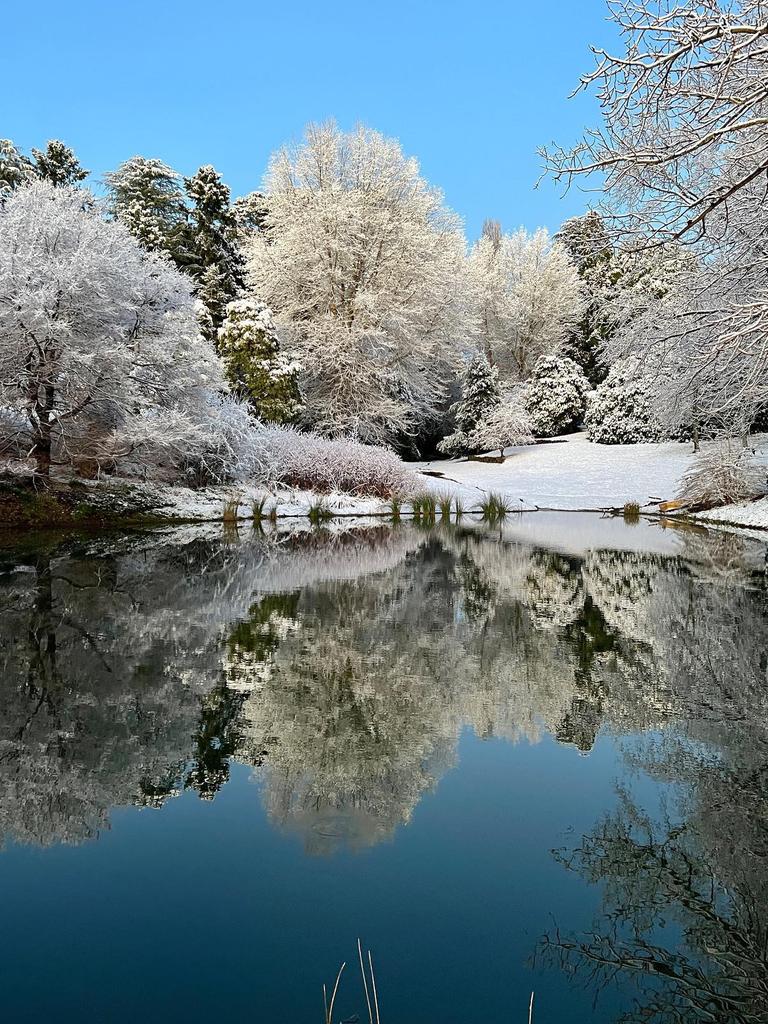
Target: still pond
x: 524, y: 758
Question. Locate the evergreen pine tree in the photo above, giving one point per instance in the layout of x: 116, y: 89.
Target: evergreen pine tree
x: 251, y: 214
x: 216, y: 263
x: 58, y: 164
x: 145, y: 194
x: 556, y: 396
x: 256, y: 369
x: 479, y: 395
x: 15, y: 168
x: 587, y: 242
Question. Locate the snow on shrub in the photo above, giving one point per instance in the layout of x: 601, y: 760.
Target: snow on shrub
x: 505, y: 425
x: 216, y: 442
x: 255, y: 367
x: 619, y: 411
x: 556, y: 396
x: 721, y: 475
x: 312, y: 462
x: 479, y: 396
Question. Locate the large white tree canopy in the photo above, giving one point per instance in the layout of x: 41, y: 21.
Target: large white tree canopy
x: 363, y: 267
x: 97, y: 333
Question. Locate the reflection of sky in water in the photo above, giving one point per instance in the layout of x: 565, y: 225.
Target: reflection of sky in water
x: 393, y: 748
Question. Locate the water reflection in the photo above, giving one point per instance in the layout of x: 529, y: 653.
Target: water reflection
x: 343, y: 666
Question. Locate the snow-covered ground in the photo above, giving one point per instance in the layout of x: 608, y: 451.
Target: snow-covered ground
x: 752, y: 514
x: 214, y: 504
x: 570, y: 473
x: 573, y: 473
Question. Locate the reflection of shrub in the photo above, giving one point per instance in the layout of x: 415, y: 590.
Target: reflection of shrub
x: 721, y: 475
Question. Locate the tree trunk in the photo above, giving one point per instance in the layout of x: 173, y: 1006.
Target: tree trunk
x: 696, y: 440
x: 42, y: 456
x: 43, y: 397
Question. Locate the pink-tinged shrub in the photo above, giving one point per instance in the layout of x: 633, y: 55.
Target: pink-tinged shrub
x: 312, y: 462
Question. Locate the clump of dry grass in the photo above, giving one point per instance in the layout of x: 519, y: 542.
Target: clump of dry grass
x: 494, y: 507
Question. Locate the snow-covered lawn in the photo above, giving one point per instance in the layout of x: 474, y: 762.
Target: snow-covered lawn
x: 572, y: 473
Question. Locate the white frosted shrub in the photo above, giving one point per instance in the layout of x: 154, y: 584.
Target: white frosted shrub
x: 505, y: 425
x: 216, y: 441
x: 619, y: 411
x: 722, y: 474
x: 556, y: 396
x: 312, y: 462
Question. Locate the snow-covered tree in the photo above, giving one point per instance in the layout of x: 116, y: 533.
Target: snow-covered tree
x: 97, y: 336
x: 620, y: 410
x: 15, y: 168
x: 684, y: 149
x: 146, y: 196
x: 58, y: 164
x: 250, y: 212
x: 362, y: 266
x: 589, y: 246
x: 255, y: 367
x: 479, y: 396
x: 555, y: 396
x: 529, y: 297
x: 215, y: 260
x: 507, y: 424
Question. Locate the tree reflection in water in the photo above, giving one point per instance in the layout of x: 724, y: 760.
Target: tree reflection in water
x: 343, y: 667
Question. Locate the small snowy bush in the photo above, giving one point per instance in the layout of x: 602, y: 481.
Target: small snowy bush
x: 619, y: 411
x: 505, y: 425
x: 312, y: 462
x: 722, y: 474
x: 556, y: 396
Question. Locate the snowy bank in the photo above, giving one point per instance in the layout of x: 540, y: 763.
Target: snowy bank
x: 573, y: 473
x: 749, y: 514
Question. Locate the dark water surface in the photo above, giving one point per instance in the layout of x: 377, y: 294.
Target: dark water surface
x: 515, y: 759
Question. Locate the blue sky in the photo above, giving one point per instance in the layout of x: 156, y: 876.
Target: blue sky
x: 469, y: 88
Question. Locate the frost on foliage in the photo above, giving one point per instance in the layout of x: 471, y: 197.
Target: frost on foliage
x: 212, y: 440
x: 361, y: 264
x: 619, y: 411
x: 214, y: 261
x: 311, y: 462
x: 250, y: 213
x: 15, y: 168
x: 722, y: 474
x: 58, y: 164
x: 479, y: 395
x: 98, y: 335
x: 528, y: 295
x: 257, y: 370
x: 556, y: 396
x: 505, y: 425
x: 619, y: 286
x: 145, y: 195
